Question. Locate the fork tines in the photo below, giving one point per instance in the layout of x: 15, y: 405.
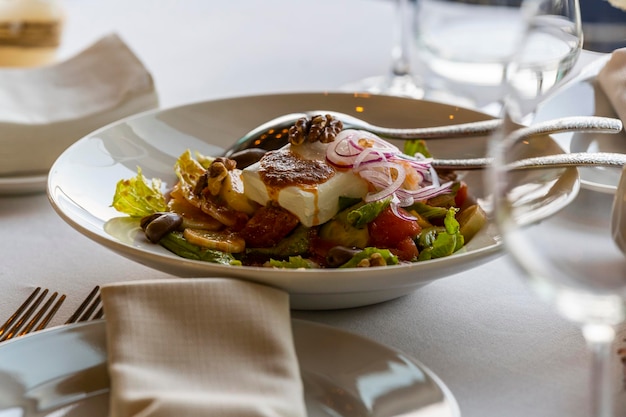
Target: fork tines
x: 90, y: 309
x: 19, y: 324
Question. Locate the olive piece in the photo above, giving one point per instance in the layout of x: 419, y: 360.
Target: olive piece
x: 247, y: 157
x: 339, y: 255
x: 147, y: 219
x: 160, y: 224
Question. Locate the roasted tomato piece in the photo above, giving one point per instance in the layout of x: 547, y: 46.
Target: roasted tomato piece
x: 406, y: 250
x: 461, y: 195
x: 268, y: 226
x: 388, y: 230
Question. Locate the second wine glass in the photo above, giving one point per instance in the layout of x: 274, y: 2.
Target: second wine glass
x: 562, y: 238
x: 400, y: 80
x: 466, y: 47
x: 559, y: 233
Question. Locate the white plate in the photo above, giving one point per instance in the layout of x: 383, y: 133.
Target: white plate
x: 63, y: 372
x: 82, y: 181
x: 23, y: 184
x: 586, y: 98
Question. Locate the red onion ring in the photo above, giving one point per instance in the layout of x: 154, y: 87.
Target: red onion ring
x: 378, y: 162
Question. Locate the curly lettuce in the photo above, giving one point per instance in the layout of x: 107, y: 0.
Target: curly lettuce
x: 138, y: 198
x: 189, y: 172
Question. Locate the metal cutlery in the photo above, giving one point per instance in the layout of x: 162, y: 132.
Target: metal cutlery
x: 89, y: 309
x: 36, y: 312
x: 31, y: 315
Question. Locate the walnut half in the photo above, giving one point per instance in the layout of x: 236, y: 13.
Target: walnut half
x: 323, y: 128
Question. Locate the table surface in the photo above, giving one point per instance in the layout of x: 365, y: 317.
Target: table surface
x: 501, y: 351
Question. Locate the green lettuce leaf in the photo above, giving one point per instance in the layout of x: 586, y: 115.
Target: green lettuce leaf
x: 411, y: 147
x: 366, y: 253
x: 293, y: 262
x: 439, y: 242
x: 427, y: 211
x: 204, y: 160
x: 137, y: 198
x: 366, y: 213
x: 189, y: 171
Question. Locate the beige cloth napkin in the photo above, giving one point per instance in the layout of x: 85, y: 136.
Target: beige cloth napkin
x: 43, y: 110
x: 612, y: 80
x: 201, y: 347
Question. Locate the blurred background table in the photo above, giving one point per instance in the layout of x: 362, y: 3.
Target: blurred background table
x: 500, y: 350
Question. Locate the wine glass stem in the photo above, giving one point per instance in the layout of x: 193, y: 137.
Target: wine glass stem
x: 400, y: 54
x: 599, y: 339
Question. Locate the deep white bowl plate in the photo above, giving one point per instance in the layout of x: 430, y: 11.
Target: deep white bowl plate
x: 82, y: 181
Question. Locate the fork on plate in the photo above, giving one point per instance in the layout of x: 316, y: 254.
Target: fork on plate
x: 90, y: 308
x: 34, y: 314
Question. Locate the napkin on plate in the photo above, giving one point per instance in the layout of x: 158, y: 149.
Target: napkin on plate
x: 612, y: 80
x: 45, y: 109
x: 201, y: 347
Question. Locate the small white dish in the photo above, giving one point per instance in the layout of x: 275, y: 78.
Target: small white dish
x: 82, y: 183
x: 343, y: 375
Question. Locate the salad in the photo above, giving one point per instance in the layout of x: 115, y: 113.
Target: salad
x: 330, y: 198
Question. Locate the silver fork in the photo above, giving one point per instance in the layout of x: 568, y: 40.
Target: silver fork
x: 90, y: 308
x: 29, y: 317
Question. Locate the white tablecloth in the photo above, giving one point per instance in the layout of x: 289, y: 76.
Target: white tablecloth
x: 500, y: 350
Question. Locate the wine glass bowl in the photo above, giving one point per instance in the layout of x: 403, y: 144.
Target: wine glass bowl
x: 569, y: 253
x: 400, y: 80
x: 542, y: 242
x: 550, y: 48
x: 467, y: 46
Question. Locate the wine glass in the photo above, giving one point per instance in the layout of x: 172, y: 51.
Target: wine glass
x: 561, y: 238
x: 466, y: 47
x: 400, y: 81
x: 558, y: 232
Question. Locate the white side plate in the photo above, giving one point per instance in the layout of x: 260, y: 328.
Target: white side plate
x: 63, y: 372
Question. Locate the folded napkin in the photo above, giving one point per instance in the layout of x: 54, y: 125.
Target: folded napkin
x: 43, y: 110
x: 612, y: 80
x: 201, y: 347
